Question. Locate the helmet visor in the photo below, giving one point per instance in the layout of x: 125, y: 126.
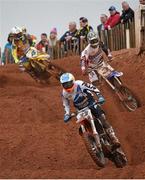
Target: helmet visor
x: 94, y: 41
x: 68, y: 85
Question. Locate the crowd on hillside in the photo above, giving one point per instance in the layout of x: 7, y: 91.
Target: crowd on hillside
x: 73, y: 34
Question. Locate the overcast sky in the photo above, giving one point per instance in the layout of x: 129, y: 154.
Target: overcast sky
x: 42, y: 15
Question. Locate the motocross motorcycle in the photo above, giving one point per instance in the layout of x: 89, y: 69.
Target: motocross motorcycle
x: 40, y: 67
x: 112, y: 78
x: 97, y: 142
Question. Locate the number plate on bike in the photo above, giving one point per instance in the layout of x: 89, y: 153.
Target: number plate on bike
x: 83, y: 115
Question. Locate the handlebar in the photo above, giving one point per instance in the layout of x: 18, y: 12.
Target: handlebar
x: 74, y: 114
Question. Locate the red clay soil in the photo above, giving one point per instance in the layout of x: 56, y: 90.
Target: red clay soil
x: 35, y: 142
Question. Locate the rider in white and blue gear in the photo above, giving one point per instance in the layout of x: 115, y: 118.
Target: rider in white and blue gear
x: 94, y: 62
x: 81, y: 93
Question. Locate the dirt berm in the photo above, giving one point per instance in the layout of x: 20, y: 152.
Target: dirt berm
x: 35, y: 142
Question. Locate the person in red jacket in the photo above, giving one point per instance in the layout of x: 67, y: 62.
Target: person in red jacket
x: 114, y: 18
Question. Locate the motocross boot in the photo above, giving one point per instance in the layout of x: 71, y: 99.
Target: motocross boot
x: 114, y: 139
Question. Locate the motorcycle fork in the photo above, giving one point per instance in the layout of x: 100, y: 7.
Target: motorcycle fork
x: 95, y: 133
x: 113, y: 87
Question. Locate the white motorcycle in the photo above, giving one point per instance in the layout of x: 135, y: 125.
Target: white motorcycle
x: 96, y: 140
x: 112, y: 78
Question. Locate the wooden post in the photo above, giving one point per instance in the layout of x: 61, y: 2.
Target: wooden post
x: 127, y: 36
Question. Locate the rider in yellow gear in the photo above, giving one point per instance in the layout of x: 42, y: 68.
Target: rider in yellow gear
x: 21, y: 44
x: 24, y: 52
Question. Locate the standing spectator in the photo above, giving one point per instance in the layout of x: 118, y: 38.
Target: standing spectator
x: 142, y: 2
x: 101, y: 27
x: 84, y: 28
x: 53, y: 43
x: 43, y: 45
x: 7, y: 56
x: 83, y: 32
x: 127, y: 13
x: 69, y: 37
x: 114, y: 18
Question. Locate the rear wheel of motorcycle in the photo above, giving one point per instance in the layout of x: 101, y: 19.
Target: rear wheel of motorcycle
x: 41, y: 76
x: 96, y: 154
x: 119, y: 158
x: 130, y: 101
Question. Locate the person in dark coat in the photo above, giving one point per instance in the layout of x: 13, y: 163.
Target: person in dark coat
x: 84, y: 28
x: 101, y: 27
x: 69, y: 37
x: 127, y: 13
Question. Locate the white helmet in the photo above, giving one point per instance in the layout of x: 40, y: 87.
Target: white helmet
x: 67, y: 80
x: 16, y: 30
x: 93, y: 39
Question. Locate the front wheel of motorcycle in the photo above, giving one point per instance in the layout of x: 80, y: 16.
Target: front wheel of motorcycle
x: 129, y: 99
x: 96, y: 154
x: 119, y: 158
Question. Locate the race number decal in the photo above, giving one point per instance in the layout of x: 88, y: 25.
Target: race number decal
x: 93, y: 76
x: 32, y: 52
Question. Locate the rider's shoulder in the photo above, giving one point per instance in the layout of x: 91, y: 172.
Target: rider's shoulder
x: 79, y: 82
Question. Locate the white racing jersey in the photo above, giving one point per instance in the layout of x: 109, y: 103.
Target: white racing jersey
x: 82, y: 96
x: 93, y: 59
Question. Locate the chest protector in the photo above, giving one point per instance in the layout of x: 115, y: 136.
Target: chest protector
x: 83, y: 99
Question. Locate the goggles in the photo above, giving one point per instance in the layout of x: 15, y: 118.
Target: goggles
x: 68, y: 85
x: 94, y: 41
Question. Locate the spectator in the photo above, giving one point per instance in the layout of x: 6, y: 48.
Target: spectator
x: 43, y: 45
x: 114, y: 18
x: 53, y: 43
x: 7, y: 56
x: 127, y: 13
x: 72, y: 32
x: 101, y: 27
x: 142, y: 2
x: 84, y: 28
x: 69, y: 36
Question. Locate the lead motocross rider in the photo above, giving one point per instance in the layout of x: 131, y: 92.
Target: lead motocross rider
x: 81, y: 93
x: 94, y: 61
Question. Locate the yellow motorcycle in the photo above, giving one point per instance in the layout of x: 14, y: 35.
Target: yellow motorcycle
x: 40, y: 67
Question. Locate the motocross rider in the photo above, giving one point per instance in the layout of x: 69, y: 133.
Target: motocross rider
x: 81, y: 93
x: 93, y: 59
x: 23, y: 49
x: 21, y: 44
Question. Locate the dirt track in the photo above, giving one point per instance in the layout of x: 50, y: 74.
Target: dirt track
x: 34, y: 141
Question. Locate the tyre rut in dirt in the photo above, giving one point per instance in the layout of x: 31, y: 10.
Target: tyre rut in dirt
x: 130, y: 102
x: 90, y: 143
x: 119, y: 159
x: 55, y: 70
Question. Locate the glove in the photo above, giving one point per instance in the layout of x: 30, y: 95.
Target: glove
x: 101, y: 100
x: 83, y: 70
x: 66, y: 118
